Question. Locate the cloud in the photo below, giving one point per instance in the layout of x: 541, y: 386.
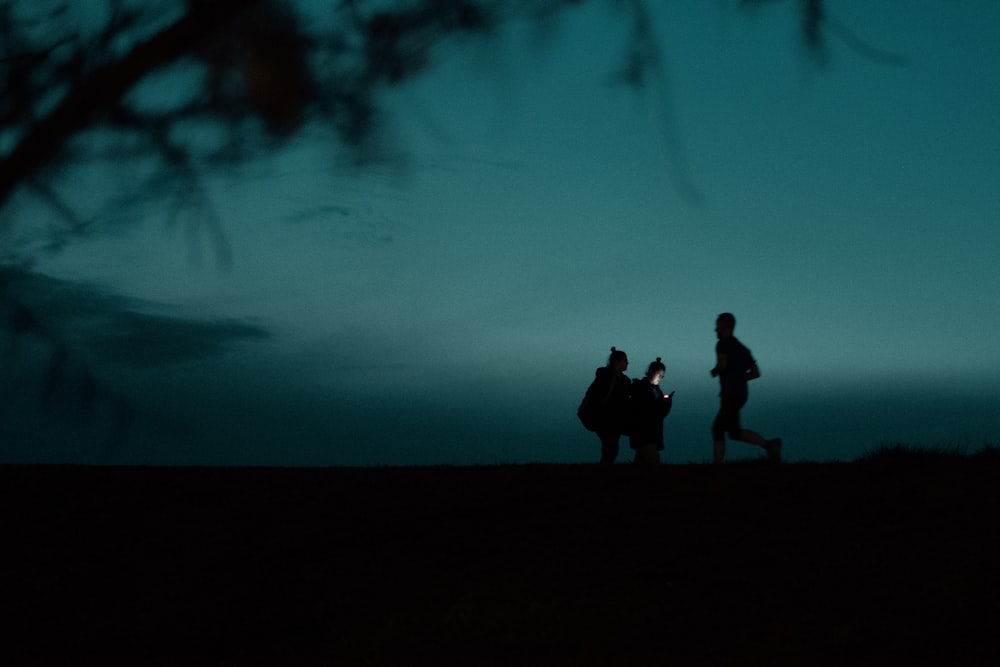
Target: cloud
x: 144, y: 339
x: 120, y: 330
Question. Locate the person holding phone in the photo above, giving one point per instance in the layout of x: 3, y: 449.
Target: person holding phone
x: 649, y: 407
x: 735, y: 367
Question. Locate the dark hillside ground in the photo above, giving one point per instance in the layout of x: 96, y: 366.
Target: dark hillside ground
x: 893, y: 560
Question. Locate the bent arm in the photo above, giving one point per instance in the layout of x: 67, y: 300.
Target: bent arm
x: 665, y: 405
x: 720, y: 364
x: 754, y: 371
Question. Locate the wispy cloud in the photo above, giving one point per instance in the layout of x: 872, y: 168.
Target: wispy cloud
x: 120, y: 330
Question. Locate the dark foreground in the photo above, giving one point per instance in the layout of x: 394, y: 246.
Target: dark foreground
x: 874, y: 563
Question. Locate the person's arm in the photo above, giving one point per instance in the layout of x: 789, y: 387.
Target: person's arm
x: 754, y: 372
x: 720, y: 364
x: 666, y: 403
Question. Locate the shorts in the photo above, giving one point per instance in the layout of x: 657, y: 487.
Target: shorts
x: 728, y: 419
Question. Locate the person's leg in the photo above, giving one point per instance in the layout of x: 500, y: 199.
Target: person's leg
x: 648, y: 454
x: 732, y: 406
x: 752, y: 437
x: 609, y: 447
x: 727, y: 420
x: 772, y: 446
x: 719, y: 451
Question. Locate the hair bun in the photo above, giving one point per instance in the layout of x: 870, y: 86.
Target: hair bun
x: 613, y: 349
x: 658, y: 358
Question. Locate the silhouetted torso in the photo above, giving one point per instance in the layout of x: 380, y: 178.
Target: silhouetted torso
x: 649, y: 409
x: 733, y: 380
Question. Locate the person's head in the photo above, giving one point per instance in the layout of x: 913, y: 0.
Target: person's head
x: 724, y: 325
x: 656, y: 371
x: 618, y: 360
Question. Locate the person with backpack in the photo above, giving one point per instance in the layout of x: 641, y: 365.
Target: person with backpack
x: 605, y: 405
x: 735, y: 367
x: 649, y: 407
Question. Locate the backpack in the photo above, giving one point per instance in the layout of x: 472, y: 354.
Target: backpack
x: 589, y: 412
x: 591, y: 407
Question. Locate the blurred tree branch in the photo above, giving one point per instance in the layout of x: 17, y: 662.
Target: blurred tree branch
x: 253, y: 66
x: 256, y: 71
x: 253, y: 74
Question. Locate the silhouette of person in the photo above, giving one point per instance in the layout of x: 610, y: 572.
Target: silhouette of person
x: 649, y: 408
x: 735, y: 367
x: 610, y: 390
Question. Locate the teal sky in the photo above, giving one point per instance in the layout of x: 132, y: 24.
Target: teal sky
x: 451, y: 305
